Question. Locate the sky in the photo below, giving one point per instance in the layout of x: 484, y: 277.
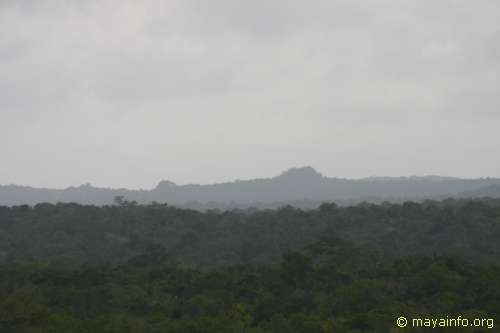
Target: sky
x: 125, y: 93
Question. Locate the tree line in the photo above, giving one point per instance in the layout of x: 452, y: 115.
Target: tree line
x: 157, y: 268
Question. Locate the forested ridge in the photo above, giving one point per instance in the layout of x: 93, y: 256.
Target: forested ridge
x: 157, y: 268
x: 114, y: 234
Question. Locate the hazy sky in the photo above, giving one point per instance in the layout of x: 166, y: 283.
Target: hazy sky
x: 126, y: 93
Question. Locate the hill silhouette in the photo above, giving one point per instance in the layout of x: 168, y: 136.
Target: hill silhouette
x: 302, y: 187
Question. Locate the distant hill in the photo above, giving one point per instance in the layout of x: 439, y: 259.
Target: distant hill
x: 490, y: 191
x: 302, y: 187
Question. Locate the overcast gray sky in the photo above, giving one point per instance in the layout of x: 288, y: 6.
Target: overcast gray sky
x: 126, y: 93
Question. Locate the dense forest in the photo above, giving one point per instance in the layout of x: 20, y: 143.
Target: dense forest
x: 115, y: 234
x: 158, y: 268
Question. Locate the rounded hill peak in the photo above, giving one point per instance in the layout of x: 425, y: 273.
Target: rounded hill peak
x: 303, y: 172
x: 165, y: 184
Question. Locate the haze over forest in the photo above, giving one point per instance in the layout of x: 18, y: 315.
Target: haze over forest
x: 259, y: 166
x: 301, y: 187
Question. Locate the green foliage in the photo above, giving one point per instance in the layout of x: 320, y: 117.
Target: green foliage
x: 122, y: 232
x: 292, y: 296
x: 133, y: 268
